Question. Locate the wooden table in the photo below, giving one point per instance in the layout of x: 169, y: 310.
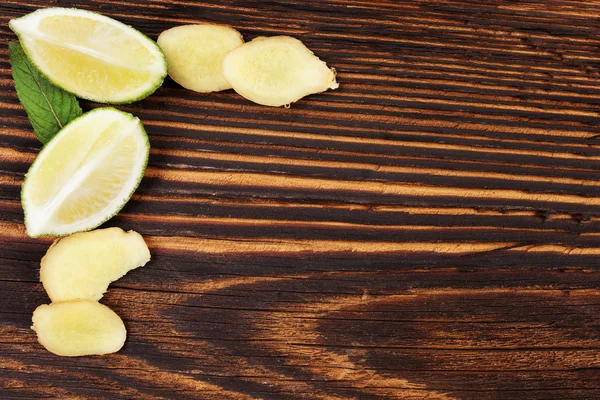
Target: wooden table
x: 431, y: 230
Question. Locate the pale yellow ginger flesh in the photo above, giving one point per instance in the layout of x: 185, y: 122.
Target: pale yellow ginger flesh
x: 195, y: 55
x: 81, y: 266
x: 276, y: 71
x: 78, y: 328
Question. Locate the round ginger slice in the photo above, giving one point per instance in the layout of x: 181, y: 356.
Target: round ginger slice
x: 195, y: 55
x: 78, y: 328
x: 276, y: 71
x: 81, y: 266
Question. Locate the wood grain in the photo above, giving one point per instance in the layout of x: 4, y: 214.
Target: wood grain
x: 431, y: 230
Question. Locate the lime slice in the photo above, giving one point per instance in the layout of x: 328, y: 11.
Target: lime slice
x: 85, y: 174
x: 91, y: 55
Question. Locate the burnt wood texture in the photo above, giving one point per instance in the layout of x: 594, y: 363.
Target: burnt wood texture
x: 431, y: 230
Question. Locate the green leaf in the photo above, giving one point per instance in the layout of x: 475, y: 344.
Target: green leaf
x: 48, y: 107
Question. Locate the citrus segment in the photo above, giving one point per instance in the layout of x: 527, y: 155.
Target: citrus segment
x: 85, y: 174
x: 91, y: 55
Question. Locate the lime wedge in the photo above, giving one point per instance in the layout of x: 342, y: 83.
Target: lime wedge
x: 85, y: 174
x: 91, y: 55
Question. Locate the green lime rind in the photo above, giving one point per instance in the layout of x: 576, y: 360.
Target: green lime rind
x: 115, y: 210
x: 152, y: 85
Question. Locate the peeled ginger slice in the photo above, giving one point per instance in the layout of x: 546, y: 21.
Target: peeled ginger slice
x: 81, y: 266
x: 78, y: 328
x: 195, y: 55
x: 276, y: 71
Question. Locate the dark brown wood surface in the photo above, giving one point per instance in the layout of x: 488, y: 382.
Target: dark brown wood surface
x: 431, y: 230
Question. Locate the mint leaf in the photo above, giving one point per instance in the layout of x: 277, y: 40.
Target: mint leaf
x: 48, y: 107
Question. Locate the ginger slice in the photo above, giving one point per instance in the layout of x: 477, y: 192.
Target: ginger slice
x: 195, y: 55
x: 81, y: 266
x: 276, y: 71
x: 78, y: 328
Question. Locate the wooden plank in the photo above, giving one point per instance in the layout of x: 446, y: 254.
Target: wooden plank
x: 431, y: 230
